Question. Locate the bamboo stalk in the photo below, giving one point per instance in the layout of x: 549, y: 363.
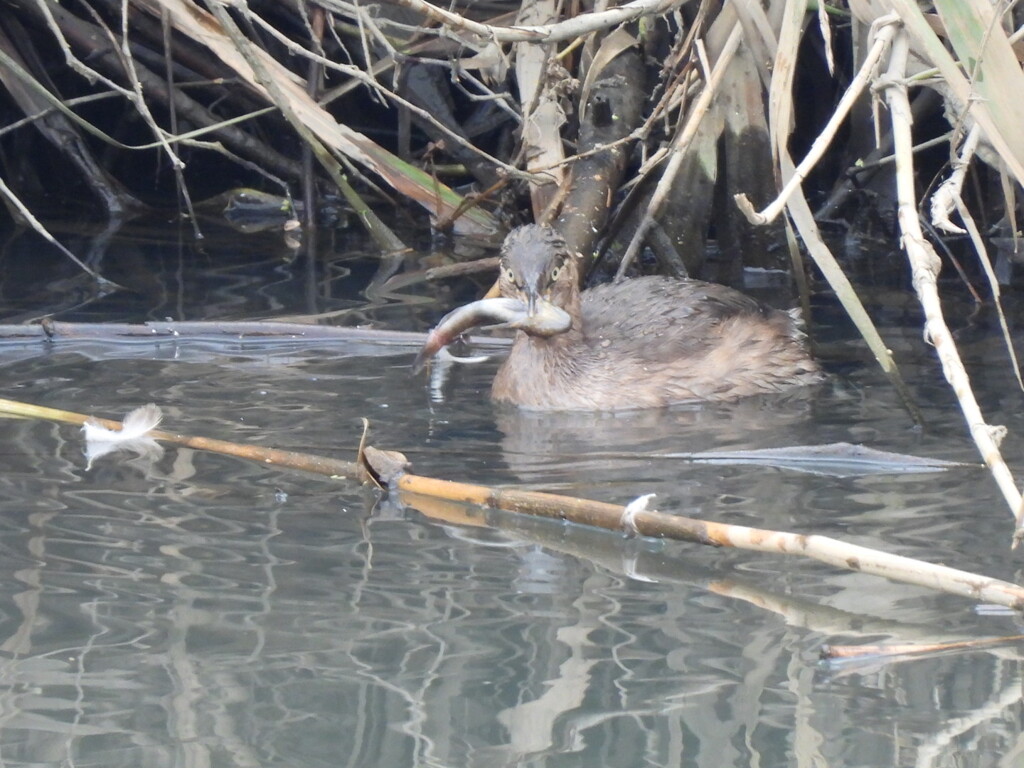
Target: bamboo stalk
x: 306, y: 462
x: 665, y: 526
x: 390, y: 468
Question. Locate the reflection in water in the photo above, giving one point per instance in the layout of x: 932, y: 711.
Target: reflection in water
x: 200, y: 610
x: 612, y: 444
x: 203, y: 610
x: 164, y: 273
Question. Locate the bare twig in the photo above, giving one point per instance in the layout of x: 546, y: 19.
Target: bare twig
x: 387, y: 240
x: 780, y: 114
x: 306, y: 462
x: 241, y: 55
x: 83, y: 36
x: 944, y: 201
x: 568, y: 29
x: 366, y: 78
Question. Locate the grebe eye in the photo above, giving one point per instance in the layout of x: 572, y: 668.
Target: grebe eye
x: 509, y: 274
x: 556, y: 273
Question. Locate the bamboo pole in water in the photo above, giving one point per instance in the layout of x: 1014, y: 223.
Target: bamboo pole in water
x: 387, y: 469
x: 320, y: 465
x: 655, y: 524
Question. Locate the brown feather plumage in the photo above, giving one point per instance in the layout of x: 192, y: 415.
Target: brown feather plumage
x: 641, y: 343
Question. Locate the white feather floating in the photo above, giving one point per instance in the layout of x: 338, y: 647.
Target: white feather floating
x: 135, y: 425
x: 133, y: 435
x: 634, y: 508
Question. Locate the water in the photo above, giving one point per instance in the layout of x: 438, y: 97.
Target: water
x: 201, y: 610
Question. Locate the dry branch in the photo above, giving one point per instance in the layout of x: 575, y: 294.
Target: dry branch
x: 338, y: 137
x: 89, y: 40
x: 275, y: 88
x: 320, y: 465
x: 442, y: 129
x: 570, y: 29
x: 836, y: 553
x: 781, y: 107
x: 925, y: 265
x: 36, y: 100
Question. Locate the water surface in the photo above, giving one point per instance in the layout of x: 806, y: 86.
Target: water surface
x: 198, y: 609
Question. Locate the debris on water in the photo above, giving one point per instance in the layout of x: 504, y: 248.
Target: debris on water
x: 833, y: 459
x: 133, y: 437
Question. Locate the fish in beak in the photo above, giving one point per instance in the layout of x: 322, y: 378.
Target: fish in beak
x: 537, y: 317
